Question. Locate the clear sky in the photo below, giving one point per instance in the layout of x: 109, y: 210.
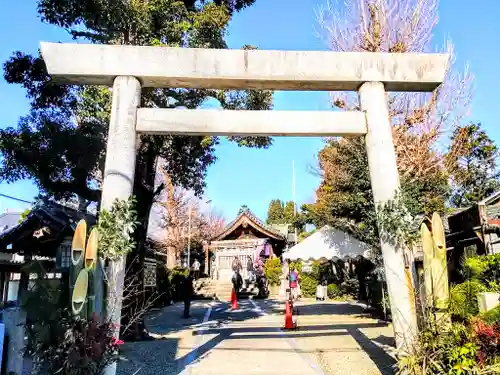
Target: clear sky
x: 254, y: 177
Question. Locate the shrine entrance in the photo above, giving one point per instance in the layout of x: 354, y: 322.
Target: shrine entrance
x: 246, y: 238
x: 372, y: 75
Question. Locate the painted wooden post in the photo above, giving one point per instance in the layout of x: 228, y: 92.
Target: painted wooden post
x: 385, y: 184
x: 428, y: 250
x: 435, y: 269
x: 90, y: 266
x: 439, y: 266
x: 78, y: 295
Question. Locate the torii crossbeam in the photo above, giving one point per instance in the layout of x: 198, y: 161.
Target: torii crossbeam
x: 128, y: 68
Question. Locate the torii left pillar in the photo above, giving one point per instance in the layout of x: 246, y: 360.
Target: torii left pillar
x: 118, y: 181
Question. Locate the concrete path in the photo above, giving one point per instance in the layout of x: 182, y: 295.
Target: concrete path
x: 332, y: 338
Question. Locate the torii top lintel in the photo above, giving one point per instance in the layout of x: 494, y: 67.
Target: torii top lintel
x: 83, y: 64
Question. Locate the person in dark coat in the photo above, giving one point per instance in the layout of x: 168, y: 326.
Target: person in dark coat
x: 188, y: 293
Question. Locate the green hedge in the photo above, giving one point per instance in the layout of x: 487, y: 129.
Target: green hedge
x: 308, y: 284
x: 273, y: 270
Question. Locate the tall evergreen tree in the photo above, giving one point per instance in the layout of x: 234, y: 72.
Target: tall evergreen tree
x: 60, y: 143
x: 472, y: 159
x: 289, y: 213
x: 275, y: 212
x: 344, y: 198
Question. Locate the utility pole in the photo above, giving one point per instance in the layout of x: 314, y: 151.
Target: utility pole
x: 294, y: 198
x: 189, y: 232
x: 189, y: 238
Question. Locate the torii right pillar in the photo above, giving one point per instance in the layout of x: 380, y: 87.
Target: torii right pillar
x: 385, y: 184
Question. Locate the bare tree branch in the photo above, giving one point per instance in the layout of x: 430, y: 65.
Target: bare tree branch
x: 420, y: 120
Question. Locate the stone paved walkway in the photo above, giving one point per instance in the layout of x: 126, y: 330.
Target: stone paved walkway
x: 332, y: 338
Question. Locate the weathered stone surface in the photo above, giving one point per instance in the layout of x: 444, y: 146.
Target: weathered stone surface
x: 246, y: 123
x: 242, y: 69
x: 385, y: 184
x: 488, y: 301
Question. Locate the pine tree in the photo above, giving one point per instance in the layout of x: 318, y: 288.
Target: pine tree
x: 289, y: 213
x: 344, y: 198
x: 472, y: 159
x: 275, y: 212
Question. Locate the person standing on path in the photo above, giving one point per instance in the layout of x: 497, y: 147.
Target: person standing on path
x: 236, y: 279
x: 188, y: 293
x: 250, y: 270
x: 293, y: 278
x: 196, y: 269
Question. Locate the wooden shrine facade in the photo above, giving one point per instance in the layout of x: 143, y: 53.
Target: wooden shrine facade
x: 246, y: 237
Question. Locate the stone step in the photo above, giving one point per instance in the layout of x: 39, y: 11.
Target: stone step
x: 224, y: 290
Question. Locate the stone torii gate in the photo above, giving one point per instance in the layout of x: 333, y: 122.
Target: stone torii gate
x: 128, y: 68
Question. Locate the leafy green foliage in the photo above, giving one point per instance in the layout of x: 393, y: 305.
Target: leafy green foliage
x: 116, y: 228
x: 463, y: 302
x: 74, y: 346
x: 333, y: 291
x: 350, y: 287
x: 345, y: 200
x: 442, y: 351
x: 395, y: 223
x: 492, y: 316
x: 60, y: 144
x: 273, y: 270
x: 24, y: 215
x: 276, y: 212
x: 304, y: 235
x: 280, y: 213
x: 472, y: 159
x: 308, y: 284
x: 485, y: 269
x: 58, y: 342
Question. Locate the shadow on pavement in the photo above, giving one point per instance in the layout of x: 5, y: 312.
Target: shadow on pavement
x: 384, y: 362
x: 159, y: 356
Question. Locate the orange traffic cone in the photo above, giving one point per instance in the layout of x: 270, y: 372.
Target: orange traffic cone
x: 289, y: 316
x: 234, y: 300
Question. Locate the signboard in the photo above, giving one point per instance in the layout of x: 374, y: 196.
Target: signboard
x: 307, y: 267
x: 149, y: 272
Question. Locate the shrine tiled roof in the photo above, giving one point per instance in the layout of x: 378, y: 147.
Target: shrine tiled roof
x: 259, y: 224
x: 50, y: 216
x: 419, y: 219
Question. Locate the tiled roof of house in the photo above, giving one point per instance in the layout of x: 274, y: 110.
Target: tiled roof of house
x: 9, y: 220
x: 45, y: 214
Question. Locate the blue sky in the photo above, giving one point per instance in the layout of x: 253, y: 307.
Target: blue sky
x: 254, y: 177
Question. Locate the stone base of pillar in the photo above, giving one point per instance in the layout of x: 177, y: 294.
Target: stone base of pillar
x: 14, y: 320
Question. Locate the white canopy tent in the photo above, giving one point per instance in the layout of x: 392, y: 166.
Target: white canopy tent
x: 328, y: 244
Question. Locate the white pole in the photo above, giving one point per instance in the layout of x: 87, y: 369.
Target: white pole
x: 189, y: 239
x: 294, y: 197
